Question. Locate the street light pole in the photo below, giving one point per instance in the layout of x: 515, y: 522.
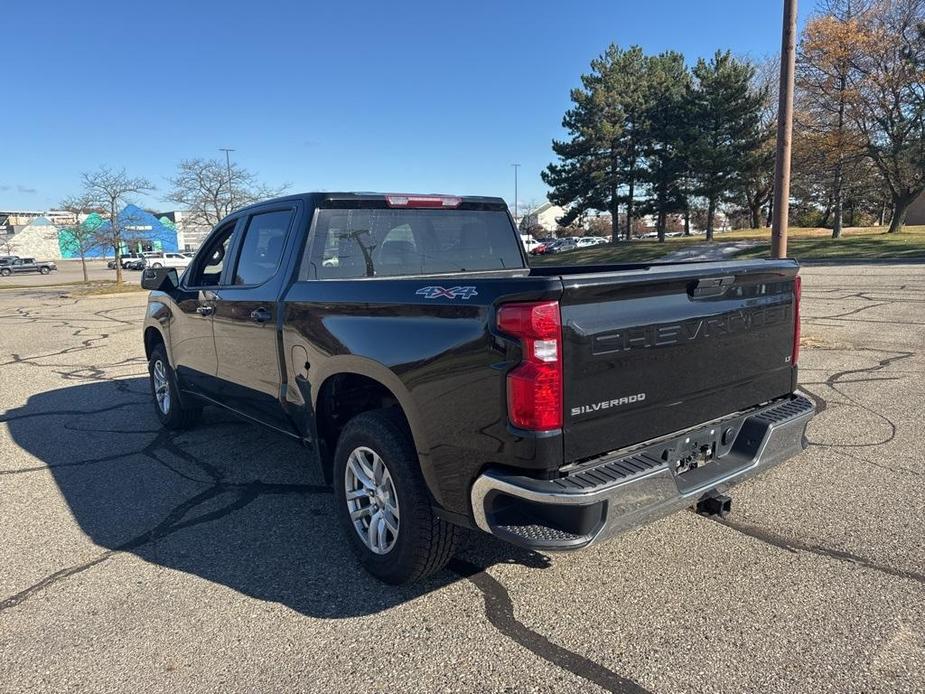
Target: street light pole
x: 228, y: 152
x: 516, y: 166
x: 784, y: 131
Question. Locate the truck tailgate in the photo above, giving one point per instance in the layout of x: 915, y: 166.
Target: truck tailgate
x: 653, y: 350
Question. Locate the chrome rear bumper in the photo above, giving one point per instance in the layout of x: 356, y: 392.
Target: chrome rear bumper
x: 625, y: 490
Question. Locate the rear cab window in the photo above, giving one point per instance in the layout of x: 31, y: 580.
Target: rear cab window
x: 353, y: 243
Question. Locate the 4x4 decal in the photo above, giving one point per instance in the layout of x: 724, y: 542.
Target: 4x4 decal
x: 447, y: 293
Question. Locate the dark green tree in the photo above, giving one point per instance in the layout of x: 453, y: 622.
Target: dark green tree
x: 600, y: 165
x: 727, y: 115
x: 664, y: 142
x: 755, y: 186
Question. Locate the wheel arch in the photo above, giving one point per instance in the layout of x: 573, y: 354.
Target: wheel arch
x: 154, y: 336
x: 352, y: 387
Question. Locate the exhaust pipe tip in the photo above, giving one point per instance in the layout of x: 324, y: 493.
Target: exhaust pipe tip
x: 715, y: 505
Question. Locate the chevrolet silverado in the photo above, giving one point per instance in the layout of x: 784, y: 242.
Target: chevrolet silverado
x: 438, y: 382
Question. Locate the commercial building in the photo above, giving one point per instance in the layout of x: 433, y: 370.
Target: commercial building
x: 37, y: 239
x: 140, y: 231
x: 544, y: 216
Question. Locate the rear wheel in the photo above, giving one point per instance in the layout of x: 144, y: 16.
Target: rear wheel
x: 170, y: 410
x: 383, y: 502
x: 5, y: 272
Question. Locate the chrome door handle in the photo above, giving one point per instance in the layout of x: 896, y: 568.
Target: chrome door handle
x: 205, y: 310
x: 260, y: 315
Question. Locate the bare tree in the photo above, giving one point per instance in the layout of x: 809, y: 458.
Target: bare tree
x: 209, y: 190
x: 111, y: 190
x: 888, y: 104
x: 831, y: 45
x: 80, y: 235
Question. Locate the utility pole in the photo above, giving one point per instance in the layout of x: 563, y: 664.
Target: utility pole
x: 784, y: 131
x: 516, y: 166
x: 228, y: 152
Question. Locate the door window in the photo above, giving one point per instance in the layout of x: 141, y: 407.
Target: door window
x: 262, y: 248
x: 211, y: 260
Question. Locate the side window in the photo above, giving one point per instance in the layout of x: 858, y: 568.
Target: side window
x: 211, y: 260
x: 262, y: 248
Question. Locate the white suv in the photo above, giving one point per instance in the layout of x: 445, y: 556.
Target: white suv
x: 177, y: 260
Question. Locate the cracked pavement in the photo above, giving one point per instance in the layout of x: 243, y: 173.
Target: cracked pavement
x: 209, y: 560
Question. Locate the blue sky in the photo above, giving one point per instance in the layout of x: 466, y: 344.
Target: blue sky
x: 339, y: 96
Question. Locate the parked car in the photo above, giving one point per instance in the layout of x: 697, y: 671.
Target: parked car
x: 13, y: 263
x: 588, y: 241
x: 126, y: 259
x: 563, y: 245
x: 167, y: 259
x: 437, y: 381
x: 529, y: 242
x: 158, y: 259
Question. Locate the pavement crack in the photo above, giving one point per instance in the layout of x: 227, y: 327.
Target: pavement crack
x: 244, y: 494
x: 499, y: 609
x: 839, y: 378
x: 794, y: 545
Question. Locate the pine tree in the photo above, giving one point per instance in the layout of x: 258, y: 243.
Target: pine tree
x: 666, y: 136
x: 755, y: 186
x: 600, y: 164
x: 726, y: 113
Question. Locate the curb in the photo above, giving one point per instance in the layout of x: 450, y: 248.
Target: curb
x: 862, y: 261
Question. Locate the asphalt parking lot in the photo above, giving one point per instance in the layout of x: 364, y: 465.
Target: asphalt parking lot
x: 68, y: 272
x: 209, y: 560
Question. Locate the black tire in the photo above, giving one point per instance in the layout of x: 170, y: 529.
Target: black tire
x: 424, y: 543
x: 5, y: 272
x: 44, y: 270
x: 157, y: 265
x: 176, y: 414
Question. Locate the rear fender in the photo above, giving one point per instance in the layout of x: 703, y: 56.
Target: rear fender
x: 363, y: 366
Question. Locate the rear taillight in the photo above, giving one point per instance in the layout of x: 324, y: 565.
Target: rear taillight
x: 797, y: 291
x: 534, y: 388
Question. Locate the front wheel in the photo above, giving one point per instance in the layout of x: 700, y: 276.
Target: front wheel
x: 170, y: 410
x: 383, y: 502
x: 44, y: 270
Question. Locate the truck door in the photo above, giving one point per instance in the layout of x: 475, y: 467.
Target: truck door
x: 192, y: 343
x: 245, y: 320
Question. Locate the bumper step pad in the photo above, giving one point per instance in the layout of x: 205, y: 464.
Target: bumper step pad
x: 622, y: 491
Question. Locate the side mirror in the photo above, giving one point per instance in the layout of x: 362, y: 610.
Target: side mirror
x: 159, y: 279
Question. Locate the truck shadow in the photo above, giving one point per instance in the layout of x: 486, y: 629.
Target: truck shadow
x: 227, y: 501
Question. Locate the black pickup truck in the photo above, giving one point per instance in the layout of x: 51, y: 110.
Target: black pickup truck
x: 438, y: 381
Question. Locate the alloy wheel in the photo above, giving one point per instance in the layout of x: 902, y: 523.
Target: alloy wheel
x: 371, y: 500
x: 161, y: 387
